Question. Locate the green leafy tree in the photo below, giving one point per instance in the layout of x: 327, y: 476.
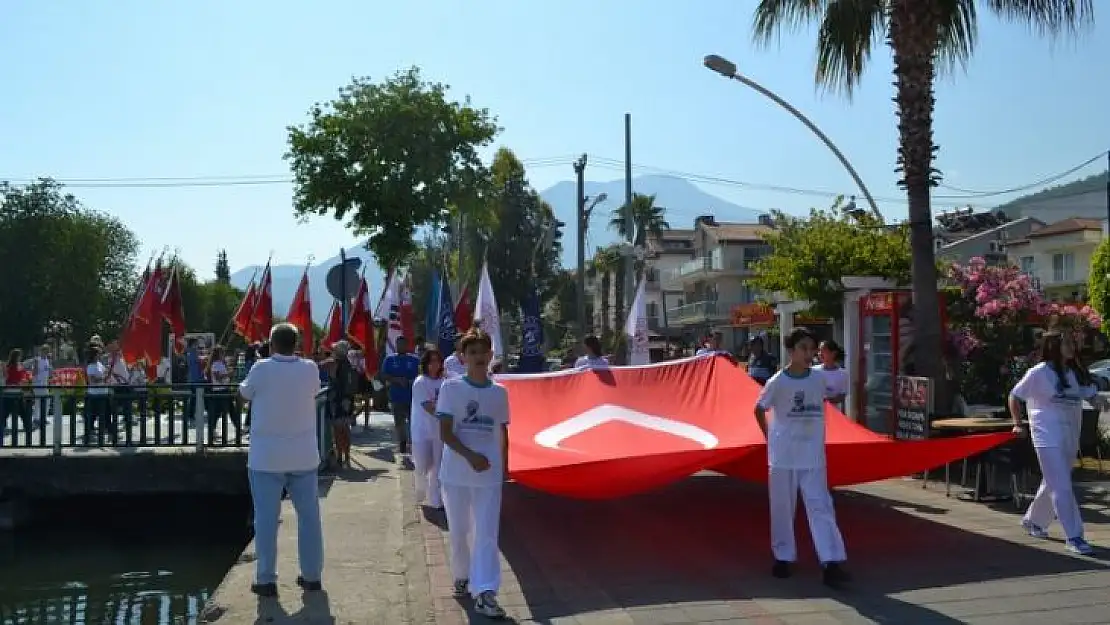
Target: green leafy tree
x: 63, y: 264
x: 606, y: 263
x: 223, y: 268
x: 924, y: 36
x: 390, y: 157
x: 809, y: 256
x: 1098, y: 284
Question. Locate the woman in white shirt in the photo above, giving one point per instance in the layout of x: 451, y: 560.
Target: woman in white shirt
x: 40, y: 379
x: 97, y: 398
x: 592, y: 359
x: 220, y: 404
x: 427, y: 447
x: 835, y: 376
x: 1053, y: 392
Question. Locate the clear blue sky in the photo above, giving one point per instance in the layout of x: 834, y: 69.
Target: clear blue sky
x: 139, y: 89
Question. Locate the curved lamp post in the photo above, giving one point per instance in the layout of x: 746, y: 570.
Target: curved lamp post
x: 727, y: 68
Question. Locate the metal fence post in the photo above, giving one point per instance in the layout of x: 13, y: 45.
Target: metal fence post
x: 58, y: 414
x: 198, y: 417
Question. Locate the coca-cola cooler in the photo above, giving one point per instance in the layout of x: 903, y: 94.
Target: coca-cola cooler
x: 886, y: 340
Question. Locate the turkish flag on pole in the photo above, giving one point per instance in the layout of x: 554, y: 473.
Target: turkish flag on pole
x: 360, y: 329
x: 300, y: 315
x: 241, y: 320
x: 262, y: 317
x: 173, y: 311
x: 334, y: 331
x: 464, y: 314
x: 135, y: 338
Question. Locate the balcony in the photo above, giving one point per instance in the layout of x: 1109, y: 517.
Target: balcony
x: 708, y: 267
x: 709, y: 311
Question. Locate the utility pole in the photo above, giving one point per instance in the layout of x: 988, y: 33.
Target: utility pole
x: 629, y: 223
x: 583, y: 224
x: 1108, y: 188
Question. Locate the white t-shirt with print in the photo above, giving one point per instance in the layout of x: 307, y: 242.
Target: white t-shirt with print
x: 282, y: 391
x: 454, y: 366
x: 796, y: 432
x: 119, y: 374
x: 591, y: 362
x: 42, y: 371
x: 478, y: 413
x: 1055, y: 410
x: 836, y: 380
x: 219, y: 372
x: 425, y: 426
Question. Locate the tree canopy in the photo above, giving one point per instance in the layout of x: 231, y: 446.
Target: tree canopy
x: 389, y: 157
x: 1098, y: 291
x: 809, y: 255
x: 64, y: 265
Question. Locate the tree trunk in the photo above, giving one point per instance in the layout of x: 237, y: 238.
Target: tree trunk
x: 913, y: 39
x: 619, y: 296
x: 605, y: 283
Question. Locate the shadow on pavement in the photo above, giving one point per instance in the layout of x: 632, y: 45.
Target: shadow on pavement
x: 706, y: 539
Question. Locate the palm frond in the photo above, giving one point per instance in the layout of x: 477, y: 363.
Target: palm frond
x: 849, y: 30
x: 1047, y: 17
x: 958, y: 34
x: 774, y: 16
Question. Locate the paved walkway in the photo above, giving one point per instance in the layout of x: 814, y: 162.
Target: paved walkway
x: 695, y: 552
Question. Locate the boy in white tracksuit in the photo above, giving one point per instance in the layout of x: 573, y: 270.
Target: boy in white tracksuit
x: 796, y: 454
x: 473, y: 413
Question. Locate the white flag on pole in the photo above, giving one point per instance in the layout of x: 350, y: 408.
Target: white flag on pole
x: 636, y: 328
x: 486, y: 312
x: 389, y: 310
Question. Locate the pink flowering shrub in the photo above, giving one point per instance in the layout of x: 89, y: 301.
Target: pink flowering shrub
x: 1000, y: 293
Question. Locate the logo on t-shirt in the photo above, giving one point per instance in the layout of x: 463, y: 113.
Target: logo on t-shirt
x: 800, y: 408
x: 475, y: 421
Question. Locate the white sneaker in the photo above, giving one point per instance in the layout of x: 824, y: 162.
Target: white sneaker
x: 486, y: 605
x: 1034, y: 530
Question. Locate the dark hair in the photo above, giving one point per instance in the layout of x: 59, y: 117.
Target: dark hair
x: 426, y: 359
x: 284, y: 338
x: 14, y: 357
x: 264, y: 350
x: 833, y: 347
x: 593, y: 344
x: 92, y: 354
x: 475, y: 336
x: 797, y: 335
x: 1051, y: 351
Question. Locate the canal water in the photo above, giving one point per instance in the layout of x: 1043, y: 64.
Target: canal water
x: 120, y: 561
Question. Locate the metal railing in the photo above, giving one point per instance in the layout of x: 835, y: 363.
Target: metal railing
x: 707, y: 311
x: 178, y: 415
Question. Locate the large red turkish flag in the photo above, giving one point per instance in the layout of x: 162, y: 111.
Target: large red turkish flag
x: 597, y: 434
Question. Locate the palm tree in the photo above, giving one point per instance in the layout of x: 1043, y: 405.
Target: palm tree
x: 924, y: 36
x: 647, y: 216
x: 606, y: 263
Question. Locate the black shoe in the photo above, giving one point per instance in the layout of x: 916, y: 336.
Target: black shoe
x: 781, y: 569
x: 308, y: 586
x: 264, y: 590
x: 834, y: 575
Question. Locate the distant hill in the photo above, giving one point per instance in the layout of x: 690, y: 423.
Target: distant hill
x: 1090, y: 184
x: 683, y: 200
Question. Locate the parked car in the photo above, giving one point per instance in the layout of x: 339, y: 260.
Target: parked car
x: 1101, y: 371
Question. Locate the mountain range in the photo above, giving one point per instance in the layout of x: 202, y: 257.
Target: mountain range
x: 684, y: 201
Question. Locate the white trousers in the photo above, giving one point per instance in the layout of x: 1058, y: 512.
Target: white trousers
x: 426, y: 456
x: 783, y: 487
x: 473, y: 523
x: 42, y: 406
x: 1055, y: 496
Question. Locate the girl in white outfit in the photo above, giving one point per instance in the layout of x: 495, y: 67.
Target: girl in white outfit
x: 1053, y: 392
x: 427, y: 447
x: 40, y: 379
x: 836, y: 377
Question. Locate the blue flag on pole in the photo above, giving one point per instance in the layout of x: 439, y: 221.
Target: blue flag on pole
x: 431, y: 310
x: 446, y: 320
x: 531, y: 350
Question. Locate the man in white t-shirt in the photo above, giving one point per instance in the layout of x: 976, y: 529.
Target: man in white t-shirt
x: 796, y: 454
x: 454, y: 364
x: 284, y: 456
x: 473, y: 413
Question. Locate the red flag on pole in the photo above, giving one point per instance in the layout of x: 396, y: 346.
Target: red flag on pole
x: 335, y: 326
x: 360, y: 329
x: 173, y: 311
x: 262, y: 318
x: 300, y: 315
x: 241, y: 320
x: 464, y: 313
x: 142, y: 336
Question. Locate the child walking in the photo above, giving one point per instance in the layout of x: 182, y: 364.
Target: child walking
x: 473, y: 413
x: 796, y: 454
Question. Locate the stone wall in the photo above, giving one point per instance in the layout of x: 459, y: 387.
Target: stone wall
x: 138, y: 472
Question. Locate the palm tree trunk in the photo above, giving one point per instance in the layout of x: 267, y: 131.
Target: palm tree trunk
x: 913, y: 38
x: 605, y: 303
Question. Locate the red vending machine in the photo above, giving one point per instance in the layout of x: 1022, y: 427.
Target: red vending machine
x: 886, y: 340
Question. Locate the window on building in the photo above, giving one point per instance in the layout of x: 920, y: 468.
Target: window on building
x: 652, y: 309
x: 1063, y: 267
x: 1027, y: 265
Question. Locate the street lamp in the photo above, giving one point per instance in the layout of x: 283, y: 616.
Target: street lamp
x: 727, y: 68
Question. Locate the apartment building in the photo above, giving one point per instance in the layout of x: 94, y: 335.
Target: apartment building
x: 1058, y: 256
x: 709, y: 286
